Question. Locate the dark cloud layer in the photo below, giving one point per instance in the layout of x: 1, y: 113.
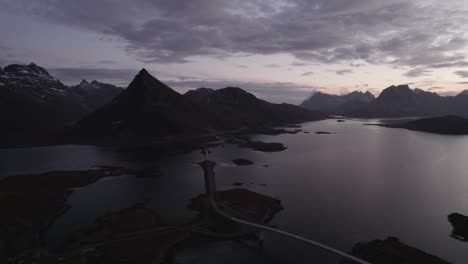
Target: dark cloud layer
x: 409, y: 33
x: 75, y: 75
x: 417, y: 38
x: 417, y: 72
x: 342, y: 72
x: 463, y: 74
x: 275, y: 92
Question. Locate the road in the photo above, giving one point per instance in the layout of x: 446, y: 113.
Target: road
x: 208, y: 168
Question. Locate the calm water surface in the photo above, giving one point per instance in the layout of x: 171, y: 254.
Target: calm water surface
x: 360, y: 184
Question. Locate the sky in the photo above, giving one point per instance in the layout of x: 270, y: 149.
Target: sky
x: 279, y: 50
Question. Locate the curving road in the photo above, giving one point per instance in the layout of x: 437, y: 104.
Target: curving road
x: 208, y: 168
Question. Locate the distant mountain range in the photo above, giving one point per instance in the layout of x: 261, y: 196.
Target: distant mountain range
x: 394, y: 101
x: 149, y: 108
x: 337, y: 104
x: 234, y: 108
x: 36, y: 107
x: 95, y: 94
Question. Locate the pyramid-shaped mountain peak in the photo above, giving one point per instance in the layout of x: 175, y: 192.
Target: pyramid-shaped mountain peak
x: 145, y: 90
x: 143, y: 71
x: 145, y: 81
x: 143, y: 74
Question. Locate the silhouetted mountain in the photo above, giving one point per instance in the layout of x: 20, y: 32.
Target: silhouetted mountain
x: 235, y: 108
x: 33, y: 104
x: 150, y: 108
x: 147, y: 107
x: 458, y: 105
x: 394, y: 101
x: 96, y: 94
x: 460, y: 226
x: 32, y: 101
x: 449, y: 125
x: 337, y: 104
x: 200, y: 95
x: 401, y: 101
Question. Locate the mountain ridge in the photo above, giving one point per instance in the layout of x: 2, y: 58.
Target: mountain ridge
x: 149, y: 108
x: 393, y: 101
x: 146, y: 108
x: 246, y: 110
x: 40, y: 107
x: 34, y: 104
x: 337, y: 104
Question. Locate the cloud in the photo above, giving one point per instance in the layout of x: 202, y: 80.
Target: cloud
x: 75, y: 75
x: 6, y: 57
x: 435, y: 88
x: 307, y: 74
x: 357, y: 64
x: 242, y: 66
x: 107, y: 62
x: 463, y: 74
x: 342, y: 72
x: 279, y: 92
x: 409, y: 33
x: 417, y: 72
x: 298, y: 64
x: 273, y: 65
x: 448, y: 65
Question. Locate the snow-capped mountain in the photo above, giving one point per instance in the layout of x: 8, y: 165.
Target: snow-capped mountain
x: 96, y: 94
x: 31, y: 80
x: 32, y: 102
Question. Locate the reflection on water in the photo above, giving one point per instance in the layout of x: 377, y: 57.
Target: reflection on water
x: 360, y: 184
x: 67, y: 157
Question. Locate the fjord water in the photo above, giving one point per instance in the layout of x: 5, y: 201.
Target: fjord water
x: 360, y: 184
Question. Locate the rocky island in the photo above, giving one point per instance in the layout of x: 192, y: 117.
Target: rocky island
x: 460, y: 226
x: 31, y: 202
x: 138, y: 234
x: 242, y: 162
x: 446, y: 125
x: 263, y: 146
x: 392, y: 251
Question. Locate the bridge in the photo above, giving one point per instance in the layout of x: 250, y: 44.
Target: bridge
x: 210, y: 189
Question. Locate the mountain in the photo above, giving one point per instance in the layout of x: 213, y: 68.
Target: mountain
x: 200, y: 95
x: 95, y: 94
x: 32, y: 102
x: 234, y: 108
x: 149, y: 108
x: 458, y: 105
x: 402, y: 101
x: 393, y: 101
x: 34, y: 105
x: 337, y: 104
